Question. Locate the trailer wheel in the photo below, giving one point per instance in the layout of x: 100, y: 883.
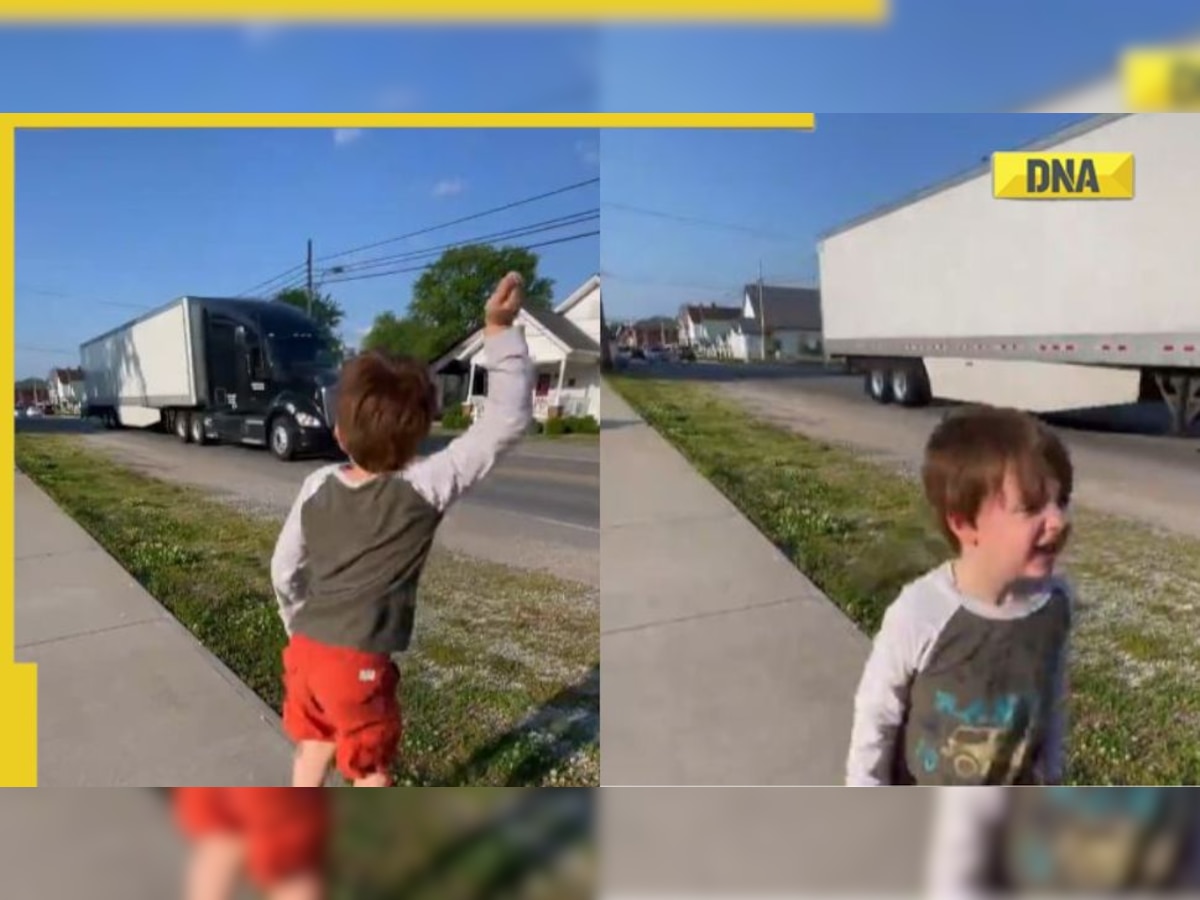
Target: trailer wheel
x: 879, y: 384
x: 910, y: 384
x: 282, y: 437
x: 196, y: 421
x: 183, y: 425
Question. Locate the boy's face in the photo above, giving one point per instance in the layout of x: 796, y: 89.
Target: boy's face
x: 1013, y: 540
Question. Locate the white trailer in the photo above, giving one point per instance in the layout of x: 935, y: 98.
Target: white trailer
x: 213, y: 369
x: 1042, y: 305
x: 136, y: 370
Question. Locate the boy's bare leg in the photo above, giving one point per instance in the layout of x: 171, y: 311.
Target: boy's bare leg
x: 311, y: 763
x: 215, y: 868
x: 305, y: 887
x: 374, y: 780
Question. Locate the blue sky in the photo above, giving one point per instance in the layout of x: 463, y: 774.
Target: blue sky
x: 931, y: 56
x: 110, y: 222
x: 766, y: 195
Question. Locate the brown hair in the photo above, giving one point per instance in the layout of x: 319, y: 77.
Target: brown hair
x: 385, y: 408
x: 971, y: 451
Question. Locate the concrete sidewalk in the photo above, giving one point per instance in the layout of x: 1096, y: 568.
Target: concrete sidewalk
x: 99, y: 845
x: 721, y: 663
x: 126, y: 696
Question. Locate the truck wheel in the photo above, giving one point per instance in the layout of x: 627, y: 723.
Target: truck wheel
x: 196, y: 427
x: 282, y: 437
x: 183, y: 426
x: 879, y: 384
x: 910, y: 386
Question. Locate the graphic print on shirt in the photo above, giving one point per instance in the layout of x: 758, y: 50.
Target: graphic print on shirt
x: 989, y: 735
x: 979, y: 709
x: 1095, y: 838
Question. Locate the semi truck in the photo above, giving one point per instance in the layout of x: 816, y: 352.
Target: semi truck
x: 217, y: 370
x: 1043, y: 305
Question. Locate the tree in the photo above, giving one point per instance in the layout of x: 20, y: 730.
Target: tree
x: 448, y: 298
x: 326, y: 312
x: 400, y: 337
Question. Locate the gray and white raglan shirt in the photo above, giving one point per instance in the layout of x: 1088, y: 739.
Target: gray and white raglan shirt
x: 989, y: 840
x: 961, y: 692
x: 350, y: 555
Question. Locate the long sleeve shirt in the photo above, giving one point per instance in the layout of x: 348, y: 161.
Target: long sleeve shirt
x: 956, y: 691
x: 349, y: 557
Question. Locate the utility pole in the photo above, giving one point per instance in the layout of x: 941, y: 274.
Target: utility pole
x: 762, y: 312
x: 310, y: 289
x: 606, y: 362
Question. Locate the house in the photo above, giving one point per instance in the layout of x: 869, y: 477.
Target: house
x: 790, y: 318
x: 706, y: 327
x: 65, y: 387
x: 564, y: 344
x: 657, y: 331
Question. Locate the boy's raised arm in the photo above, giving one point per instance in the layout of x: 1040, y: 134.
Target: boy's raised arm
x: 443, y: 477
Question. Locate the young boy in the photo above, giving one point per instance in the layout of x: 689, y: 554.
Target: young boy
x: 352, y: 550
x: 988, y: 840
x: 278, y: 836
x: 966, y: 681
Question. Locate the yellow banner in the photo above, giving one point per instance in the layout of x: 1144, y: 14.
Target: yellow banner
x: 18, y: 683
x: 1161, y: 80
x: 732, y: 120
x: 1062, y: 176
x: 840, y: 11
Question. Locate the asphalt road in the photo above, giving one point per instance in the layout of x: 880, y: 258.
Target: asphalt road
x: 539, y: 509
x: 1125, y: 463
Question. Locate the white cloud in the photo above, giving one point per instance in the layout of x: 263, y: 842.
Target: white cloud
x: 588, y: 153
x: 398, y: 98
x: 260, y: 33
x: 449, y: 187
x: 344, y: 136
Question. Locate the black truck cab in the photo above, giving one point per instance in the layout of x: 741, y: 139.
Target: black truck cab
x: 268, y: 376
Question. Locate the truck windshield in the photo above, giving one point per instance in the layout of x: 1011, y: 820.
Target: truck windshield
x: 301, y: 351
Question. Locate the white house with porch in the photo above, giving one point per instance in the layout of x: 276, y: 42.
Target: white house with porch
x: 564, y: 344
x: 65, y: 387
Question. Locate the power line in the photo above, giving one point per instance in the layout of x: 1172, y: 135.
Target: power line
x: 520, y: 231
x: 479, y: 215
x: 576, y: 218
x: 662, y: 282
x: 263, y: 284
x: 42, y: 292
x: 707, y: 223
x: 55, y: 351
x: 547, y: 243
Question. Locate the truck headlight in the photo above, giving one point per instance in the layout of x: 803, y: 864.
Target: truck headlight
x: 307, y: 420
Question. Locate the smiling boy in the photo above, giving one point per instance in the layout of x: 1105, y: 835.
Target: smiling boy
x: 966, y: 680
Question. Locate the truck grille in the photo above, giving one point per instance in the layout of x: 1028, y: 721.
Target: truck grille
x: 329, y: 403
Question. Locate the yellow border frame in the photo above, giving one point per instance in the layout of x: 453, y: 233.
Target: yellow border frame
x: 475, y: 11
x: 18, y: 682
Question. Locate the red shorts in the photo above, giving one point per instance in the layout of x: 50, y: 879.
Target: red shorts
x: 286, y: 829
x: 345, y: 697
